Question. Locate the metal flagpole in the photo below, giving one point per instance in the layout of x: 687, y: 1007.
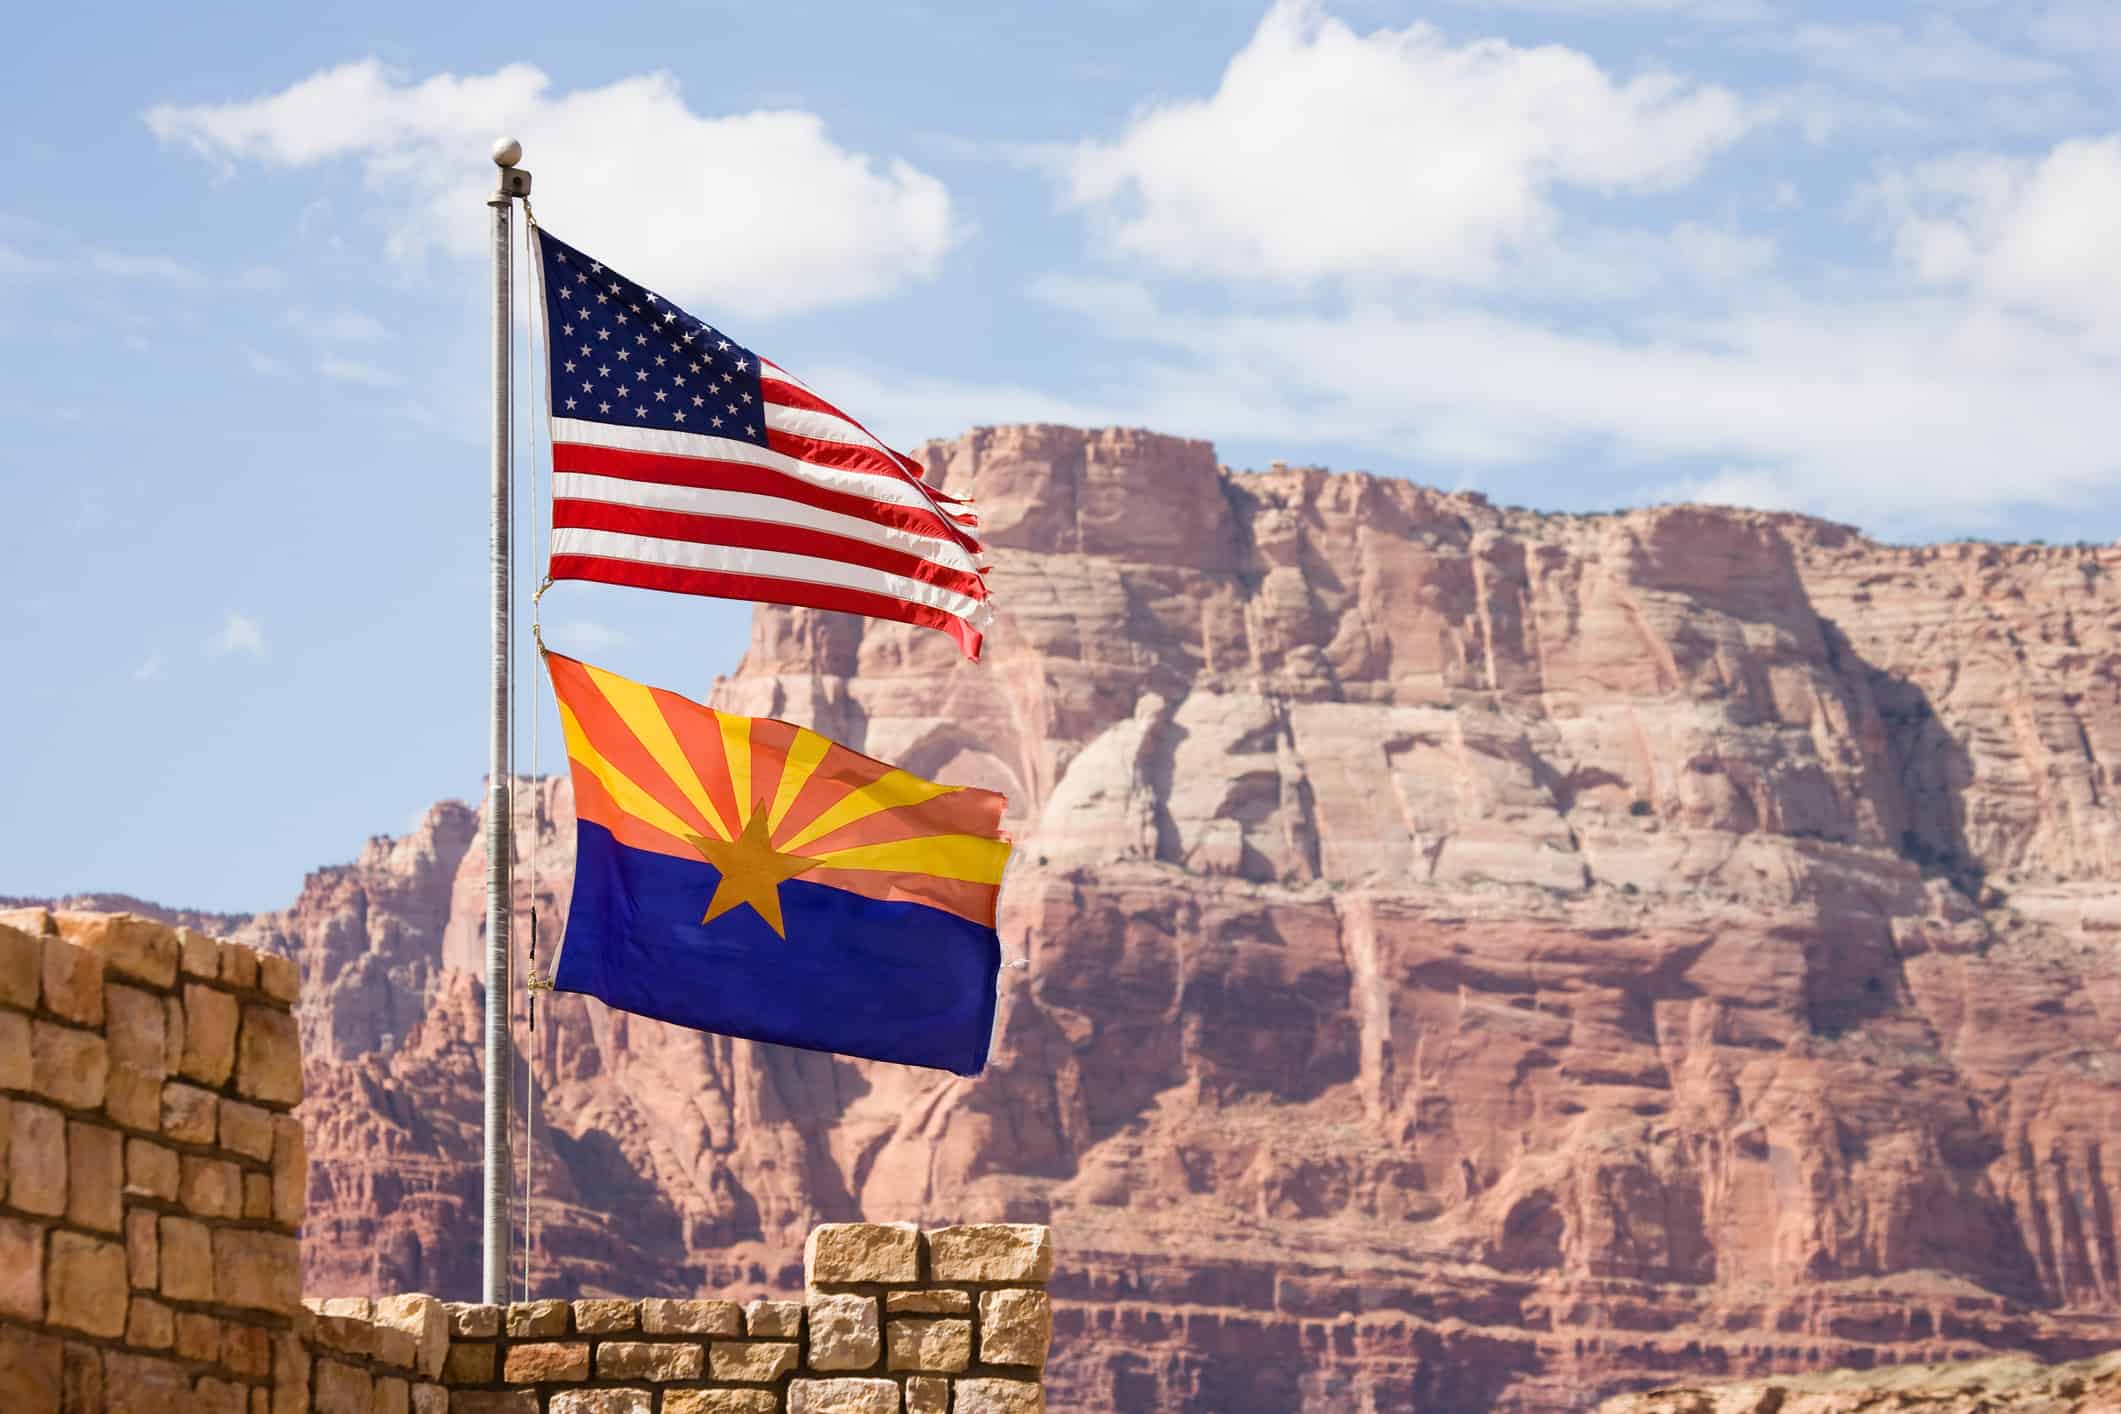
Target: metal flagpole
x: 500, y: 820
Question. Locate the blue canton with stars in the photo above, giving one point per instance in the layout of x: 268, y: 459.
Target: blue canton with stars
x: 624, y: 355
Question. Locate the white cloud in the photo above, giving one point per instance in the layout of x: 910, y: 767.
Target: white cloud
x: 240, y: 634
x: 149, y: 669
x: 263, y: 364
x: 1917, y: 409
x: 755, y: 213
x: 2039, y: 234
x: 349, y: 370
x: 2080, y: 28
x: 1941, y: 53
x: 1327, y: 153
x: 1716, y: 11
x: 344, y: 326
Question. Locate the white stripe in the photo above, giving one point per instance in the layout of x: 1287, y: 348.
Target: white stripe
x: 896, y: 490
x: 771, y: 564
x: 822, y: 427
x: 742, y: 505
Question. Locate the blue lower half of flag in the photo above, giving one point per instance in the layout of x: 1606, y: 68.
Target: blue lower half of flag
x: 888, y: 981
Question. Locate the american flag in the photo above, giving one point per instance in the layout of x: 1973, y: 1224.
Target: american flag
x: 683, y: 461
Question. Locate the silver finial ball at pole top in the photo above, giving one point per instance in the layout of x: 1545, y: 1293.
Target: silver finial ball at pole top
x: 507, y: 152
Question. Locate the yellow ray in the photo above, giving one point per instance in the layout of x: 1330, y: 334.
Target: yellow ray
x: 636, y: 707
x: 624, y: 793
x: 887, y: 792
x: 803, y: 755
x: 736, y: 749
x: 966, y: 857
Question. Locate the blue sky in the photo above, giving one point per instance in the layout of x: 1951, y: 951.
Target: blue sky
x: 1854, y: 260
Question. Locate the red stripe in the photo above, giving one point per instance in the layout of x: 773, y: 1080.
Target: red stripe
x: 845, y: 456
x: 718, y: 585
x: 661, y: 469
x: 745, y: 534
x: 790, y: 395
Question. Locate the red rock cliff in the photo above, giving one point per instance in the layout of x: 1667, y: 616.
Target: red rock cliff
x: 1478, y: 958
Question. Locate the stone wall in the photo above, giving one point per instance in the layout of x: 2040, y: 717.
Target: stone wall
x: 155, y: 1171
x: 155, y: 1178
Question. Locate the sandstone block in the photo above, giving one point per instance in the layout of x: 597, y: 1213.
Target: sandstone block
x: 393, y: 1396
x: 73, y: 982
x: 143, y: 1268
x: 151, y: 1171
x: 212, y: 1396
x: 247, y: 1130
x: 197, y: 954
x: 131, y: 946
x: 210, y: 1017
x: 601, y: 1401
x: 81, y: 1377
x: 246, y: 1350
x: 257, y: 1196
x: 1015, y: 1326
x: 473, y: 1322
x: 941, y: 1345
x: 133, y: 1097
x: 189, y: 1115
x: 430, y: 1399
x: 69, y: 1066
x: 31, y: 1367
x: 187, y: 1260
x: 290, y: 1171
x: 172, y: 1033
x: 36, y: 1159
x: 290, y: 1374
x: 472, y: 1401
x: 396, y: 1348
x: 96, y: 1177
x: 546, y: 1362
x: 424, y: 1319
x: 988, y: 1396
x: 604, y: 1317
x: 144, y: 1384
x: 198, y: 1336
x: 21, y: 1270
x: 279, y: 978
x: 149, y: 1325
x: 932, y: 1302
x: 843, y: 1397
x: 721, y: 1401
x: 342, y: 1389
x: 211, y: 1188
x: 134, y: 1027
x: 239, y: 967
x: 844, y: 1333
x: 21, y: 961
x: 850, y: 1252
x: 663, y: 1317
x: 536, y: 1318
x: 470, y: 1364
x: 258, y: 1270
x: 991, y: 1252
x: 86, y: 1288
x: 773, y: 1318
x: 927, y: 1394
x: 15, y: 1068
x: 657, y: 1362
x: 760, y: 1363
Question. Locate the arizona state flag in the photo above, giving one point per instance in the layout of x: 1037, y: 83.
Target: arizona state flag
x: 748, y: 876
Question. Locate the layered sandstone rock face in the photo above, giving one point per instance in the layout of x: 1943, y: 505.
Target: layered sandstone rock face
x: 1477, y: 958
x: 2008, y: 1385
